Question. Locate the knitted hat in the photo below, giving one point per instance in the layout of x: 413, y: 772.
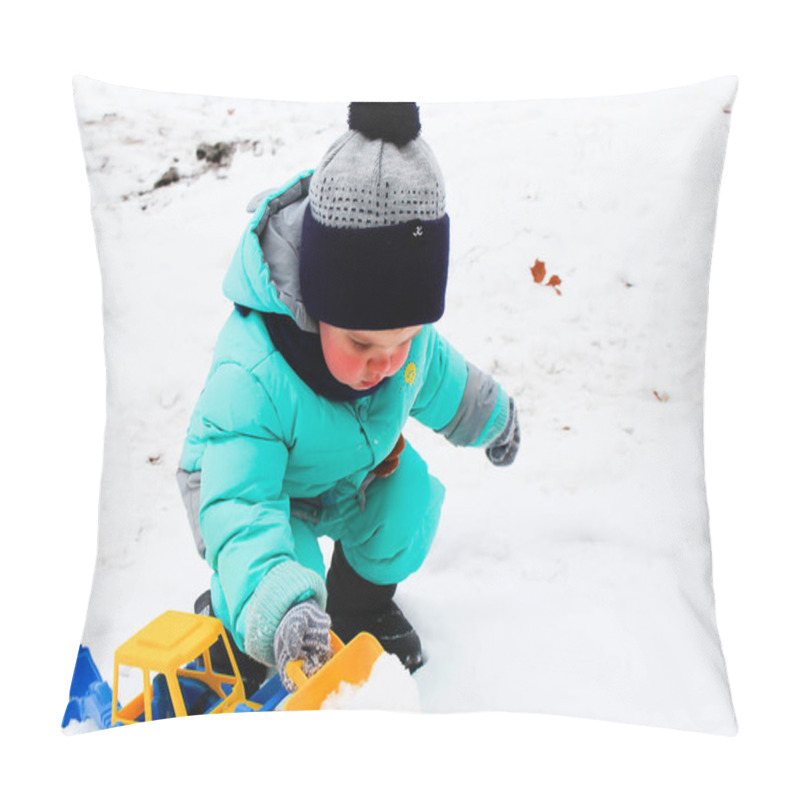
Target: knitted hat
x: 376, y: 236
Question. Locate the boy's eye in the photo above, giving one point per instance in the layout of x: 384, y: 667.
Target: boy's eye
x: 360, y: 345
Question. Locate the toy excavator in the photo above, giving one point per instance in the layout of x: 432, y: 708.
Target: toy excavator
x: 172, y: 653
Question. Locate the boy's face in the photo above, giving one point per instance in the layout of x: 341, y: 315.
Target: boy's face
x: 362, y: 359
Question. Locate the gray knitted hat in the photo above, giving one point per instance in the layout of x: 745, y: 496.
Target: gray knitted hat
x: 366, y: 180
x: 376, y: 236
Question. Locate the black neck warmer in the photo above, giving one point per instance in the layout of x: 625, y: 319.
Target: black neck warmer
x: 303, y: 353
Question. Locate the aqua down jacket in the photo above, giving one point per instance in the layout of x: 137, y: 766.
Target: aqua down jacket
x: 259, y: 436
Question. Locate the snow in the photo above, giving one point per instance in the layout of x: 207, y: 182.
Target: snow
x: 576, y: 581
x: 389, y: 687
x: 84, y: 726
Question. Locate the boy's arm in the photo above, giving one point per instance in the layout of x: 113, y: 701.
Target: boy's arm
x: 457, y: 399
x: 244, y: 513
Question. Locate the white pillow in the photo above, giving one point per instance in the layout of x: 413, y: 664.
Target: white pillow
x: 577, y: 581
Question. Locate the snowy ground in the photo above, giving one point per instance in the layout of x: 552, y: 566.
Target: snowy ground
x: 578, y: 580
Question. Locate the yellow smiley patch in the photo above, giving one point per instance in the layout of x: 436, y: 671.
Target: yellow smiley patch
x: 411, y: 372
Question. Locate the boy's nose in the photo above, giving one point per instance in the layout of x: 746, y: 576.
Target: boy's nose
x: 380, y: 363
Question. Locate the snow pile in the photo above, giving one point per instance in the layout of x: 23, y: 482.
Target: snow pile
x: 74, y: 727
x: 389, y: 687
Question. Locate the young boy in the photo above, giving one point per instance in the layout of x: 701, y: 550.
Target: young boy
x: 297, y: 433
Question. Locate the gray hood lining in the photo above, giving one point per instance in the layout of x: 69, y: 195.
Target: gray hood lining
x: 279, y: 233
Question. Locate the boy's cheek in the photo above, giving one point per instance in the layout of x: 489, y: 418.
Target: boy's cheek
x: 347, y: 367
x: 395, y: 366
x: 400, y: 358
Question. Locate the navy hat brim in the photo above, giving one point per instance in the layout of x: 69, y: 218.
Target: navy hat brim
x: 377, y: 278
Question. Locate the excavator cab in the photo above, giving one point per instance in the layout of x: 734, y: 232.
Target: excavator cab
x: 178, y: 679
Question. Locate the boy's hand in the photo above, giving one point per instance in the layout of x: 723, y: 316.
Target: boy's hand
x: 304, y: 632
x: 503, y: 450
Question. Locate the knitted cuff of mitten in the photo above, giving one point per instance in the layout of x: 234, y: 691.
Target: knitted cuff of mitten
x: 497, y: 422
x: 284, y: 586
x: 504, y: 437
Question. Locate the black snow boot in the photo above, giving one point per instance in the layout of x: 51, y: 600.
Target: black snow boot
x: 356, y: 605
x: 253, y: 672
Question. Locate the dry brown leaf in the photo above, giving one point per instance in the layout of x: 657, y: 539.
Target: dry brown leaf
x: 538, y: 271
x: 660, y: 398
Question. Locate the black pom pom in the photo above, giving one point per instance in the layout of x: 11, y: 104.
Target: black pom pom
x: 393, y: 122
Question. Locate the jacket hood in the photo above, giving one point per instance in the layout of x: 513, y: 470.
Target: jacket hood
x: 265, y: 271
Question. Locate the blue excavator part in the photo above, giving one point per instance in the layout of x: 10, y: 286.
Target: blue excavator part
x: 89, y: 694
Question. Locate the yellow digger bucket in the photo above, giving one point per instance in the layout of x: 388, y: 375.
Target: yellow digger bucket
x: 351, y: 663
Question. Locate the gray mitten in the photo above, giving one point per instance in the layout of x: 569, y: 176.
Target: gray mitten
x: 503, y: 450
x: 304, y: 632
